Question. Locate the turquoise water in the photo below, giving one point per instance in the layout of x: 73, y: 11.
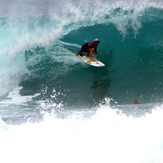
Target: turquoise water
x: 50, y: 99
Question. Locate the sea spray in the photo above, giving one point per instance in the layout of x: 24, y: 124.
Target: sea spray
x: 103, y: 136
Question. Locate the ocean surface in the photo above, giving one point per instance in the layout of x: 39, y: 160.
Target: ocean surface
x: 55, y: 108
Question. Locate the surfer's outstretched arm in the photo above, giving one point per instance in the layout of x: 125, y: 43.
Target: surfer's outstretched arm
x: 77, y: 53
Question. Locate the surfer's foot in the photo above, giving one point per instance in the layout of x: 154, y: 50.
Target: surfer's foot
x: 93, y: 60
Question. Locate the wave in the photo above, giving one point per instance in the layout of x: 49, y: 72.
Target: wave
x: 38, y: 51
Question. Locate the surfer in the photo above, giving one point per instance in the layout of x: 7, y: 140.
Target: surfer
x: 89, y: 48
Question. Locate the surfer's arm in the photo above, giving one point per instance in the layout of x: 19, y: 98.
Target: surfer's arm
x: 95, y: 50
x: 78, y: 53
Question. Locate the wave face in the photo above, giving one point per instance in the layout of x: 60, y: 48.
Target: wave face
x: 38, y: 50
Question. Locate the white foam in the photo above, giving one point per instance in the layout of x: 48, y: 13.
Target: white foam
x: 14, y: 97
x: 106, y: 137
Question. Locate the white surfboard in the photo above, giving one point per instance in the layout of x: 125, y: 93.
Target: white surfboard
x: 97, y: 63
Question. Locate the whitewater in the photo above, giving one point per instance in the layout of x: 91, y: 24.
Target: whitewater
x: 55, y: 108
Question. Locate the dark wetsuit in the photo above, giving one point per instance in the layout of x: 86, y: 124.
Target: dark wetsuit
x: 85, y: 48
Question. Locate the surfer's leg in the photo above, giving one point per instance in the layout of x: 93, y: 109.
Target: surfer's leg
x: 91, y: 55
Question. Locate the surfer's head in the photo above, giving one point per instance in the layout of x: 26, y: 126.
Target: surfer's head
x: 97, y: 40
